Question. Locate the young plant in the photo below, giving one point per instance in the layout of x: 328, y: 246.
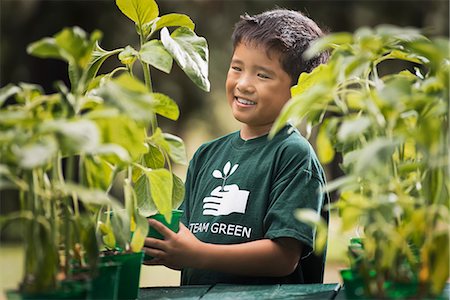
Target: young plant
x: 382, y: 101
x: 64, y: 151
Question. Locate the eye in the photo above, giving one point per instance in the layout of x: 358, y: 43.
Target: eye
x: 236, y: 68
x: 263, y: 75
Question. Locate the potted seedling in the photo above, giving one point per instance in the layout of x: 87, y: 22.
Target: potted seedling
x: 382, y: 101
x: 64, y: 151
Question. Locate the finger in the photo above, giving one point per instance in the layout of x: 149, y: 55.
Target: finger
x: 154, y: 243
x: 210, y: 212
x: 212, y: 199
x: 161, y: 228
x: 153, y: 262
x: 214, y: 206
x: 153, y: 252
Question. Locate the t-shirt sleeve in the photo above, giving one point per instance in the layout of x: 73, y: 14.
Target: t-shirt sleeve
x: 297, y: 185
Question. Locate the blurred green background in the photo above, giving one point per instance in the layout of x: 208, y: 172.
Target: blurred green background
x: 204, y: 116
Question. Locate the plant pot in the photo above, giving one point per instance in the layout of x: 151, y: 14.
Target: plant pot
x: 353, y: 284
x: 108, y: 276
x: 130, y: 271
x: 70, y: 289
x: 354, y: 287
x: 174, y: 225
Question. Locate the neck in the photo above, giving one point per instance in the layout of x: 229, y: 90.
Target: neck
x: 251, y: 132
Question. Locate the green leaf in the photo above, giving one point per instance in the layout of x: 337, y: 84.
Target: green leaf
x: 7, y: 91
x: 376, y: 155
x: 154, y: 54
x: 45, y: 48
x: 98, y: 173
x: 154, y: 158
x: 178, y: 192
x: 328, y: 42
x: 158, y: 140
x: 352, y: 129
x: 161, y: 189
x: 122, y: 131
x: 190, y: 52
x: 74, y: 45
x: 165, y: 106
x: 74, y: 136
x: 313, y: 219
x: 169, y: 20
x: 139, y: 235
x: 139, y: 11
x: 130, y: 97
x: 97, y: 58
x: 145, y: 203
x: 36, y: 154
x: 325, y: 149
x: 128, y: 55
x: 177, y: 150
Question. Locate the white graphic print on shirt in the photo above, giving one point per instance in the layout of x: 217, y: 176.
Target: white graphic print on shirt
x: 225, y: 199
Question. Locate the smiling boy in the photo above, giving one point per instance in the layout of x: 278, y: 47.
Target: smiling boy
x: 243, y: 188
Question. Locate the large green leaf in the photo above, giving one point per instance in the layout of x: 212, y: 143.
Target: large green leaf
x: 45, y: 48
x: 37, y: 154
x: 154, y: 158
x: 155, y: 54
x: 161, y: 189
x: 190, y: 52
x: 164, y: 105
x: 74, y: 136
x: 144, y: 199
x: 129, y: 96
x: 178, y: 191
x: 140, y: 233
x: 97, y: 172
x: 122, y: 131
x: 168, y: 20
x: 139, y: 11
x: 177, y: 149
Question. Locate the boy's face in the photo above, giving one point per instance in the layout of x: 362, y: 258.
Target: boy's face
x: 257, y: 86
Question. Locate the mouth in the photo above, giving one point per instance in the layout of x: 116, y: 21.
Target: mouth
x: 243, y: 101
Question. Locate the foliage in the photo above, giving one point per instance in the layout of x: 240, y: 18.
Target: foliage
x: 383, y: 102
x: 64, y: 151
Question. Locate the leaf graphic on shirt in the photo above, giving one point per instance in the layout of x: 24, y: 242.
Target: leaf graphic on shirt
x: 217, y: 174
x: 234, y: 169
x: 226, y: 169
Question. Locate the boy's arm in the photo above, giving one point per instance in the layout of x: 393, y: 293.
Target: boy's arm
x: 264, y: 257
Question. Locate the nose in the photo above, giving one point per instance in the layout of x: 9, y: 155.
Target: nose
x: 245, y: 84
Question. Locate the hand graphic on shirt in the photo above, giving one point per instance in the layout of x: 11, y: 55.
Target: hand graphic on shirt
x: 226, y: 200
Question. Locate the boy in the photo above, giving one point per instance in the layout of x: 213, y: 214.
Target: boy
x: 242, y: 189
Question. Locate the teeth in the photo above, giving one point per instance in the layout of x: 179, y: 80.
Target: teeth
x: 244, y: 101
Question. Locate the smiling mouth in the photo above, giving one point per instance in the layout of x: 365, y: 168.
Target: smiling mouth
x: 244, y: 101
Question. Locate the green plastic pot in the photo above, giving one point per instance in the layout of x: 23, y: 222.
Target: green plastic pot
x: 130, y: 271
x: 108, y: 276
x: 70, y: 289
x: 353, y: 284
x: 174, y: 225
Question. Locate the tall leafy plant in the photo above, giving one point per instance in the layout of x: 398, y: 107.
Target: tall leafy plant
x: 383, y: 102
x: 64, y: 151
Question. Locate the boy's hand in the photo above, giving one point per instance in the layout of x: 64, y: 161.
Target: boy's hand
x: 176, y: 251
x: 225, y: 201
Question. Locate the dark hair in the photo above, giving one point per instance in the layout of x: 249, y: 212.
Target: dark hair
x: 285, y: 31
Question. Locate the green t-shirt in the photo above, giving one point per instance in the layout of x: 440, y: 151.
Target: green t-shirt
x: 239, y: 191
